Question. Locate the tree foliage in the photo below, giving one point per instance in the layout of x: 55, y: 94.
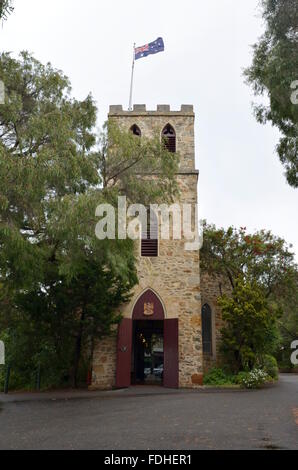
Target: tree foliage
x: 258, y: 257
x: 141, y: 169
x: 274, y: 71
x: 62, y: 286
x: 260, y: 272
x: 5, y: 8
x: 288, y: 325
x: 250, y: 329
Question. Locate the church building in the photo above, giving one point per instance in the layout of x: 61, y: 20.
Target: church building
x: 169, y: 333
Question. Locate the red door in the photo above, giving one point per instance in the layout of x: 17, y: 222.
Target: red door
x: 124, y: 344
x: 171, y: 371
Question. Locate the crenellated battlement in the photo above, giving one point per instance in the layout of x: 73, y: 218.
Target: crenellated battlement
x: 151, y: 123
x: 162, y: 110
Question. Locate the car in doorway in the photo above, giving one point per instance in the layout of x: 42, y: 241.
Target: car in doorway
x: 158, y: 371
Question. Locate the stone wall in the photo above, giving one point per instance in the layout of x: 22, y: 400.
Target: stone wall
x: 175, y: 277
x: 152, y: 123
x: 211, y: 289
x: 104, y: 363
x: 175, y: 274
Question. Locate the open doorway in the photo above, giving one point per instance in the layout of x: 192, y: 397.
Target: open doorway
x: 147, y: 345
x: 148, y: 352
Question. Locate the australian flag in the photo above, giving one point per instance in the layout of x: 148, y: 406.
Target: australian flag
x: 151, y: 48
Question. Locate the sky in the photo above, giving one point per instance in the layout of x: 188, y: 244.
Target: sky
x: 207, y: 46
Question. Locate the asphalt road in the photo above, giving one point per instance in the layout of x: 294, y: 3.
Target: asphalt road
x: 263, y: 419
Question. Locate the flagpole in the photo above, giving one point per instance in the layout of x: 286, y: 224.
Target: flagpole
x: 132, y: 77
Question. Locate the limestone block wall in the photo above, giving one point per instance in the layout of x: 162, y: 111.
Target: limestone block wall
x: 152, y: 123
x: 175, y: 277
x: 104, y: 363
x: 211, y: 289
x: 175, y: 274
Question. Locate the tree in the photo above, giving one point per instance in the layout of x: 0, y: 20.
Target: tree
x: 274, y: 72
x: 141, y: 169
x: 250, y: 325
x: 5, y: 8
x: 59, y: 280
x: 259, y: 257
x: 260, y: 272
x: 288, y: 325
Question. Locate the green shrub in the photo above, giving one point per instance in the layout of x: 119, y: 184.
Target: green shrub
x: 217, y: 376
x: 250, y: 325
x: 269, y: 365
x: 241, y: 377
x: 252, y: 379
x: 25, y: 356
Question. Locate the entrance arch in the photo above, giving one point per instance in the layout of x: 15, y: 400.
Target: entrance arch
x: 148, y: 318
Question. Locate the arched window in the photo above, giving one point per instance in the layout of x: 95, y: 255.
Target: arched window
x: 136, y: 130
x: 169, y: 137
x: 207, y: 329
x: 149, y: 242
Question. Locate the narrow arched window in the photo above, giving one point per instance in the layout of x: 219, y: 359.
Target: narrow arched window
x: 169, y: 138
x: 136, y: 130
x: 149, y: 242
x: 207, y: 329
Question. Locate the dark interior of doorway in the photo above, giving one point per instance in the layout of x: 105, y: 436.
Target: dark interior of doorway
x: 147, y: 352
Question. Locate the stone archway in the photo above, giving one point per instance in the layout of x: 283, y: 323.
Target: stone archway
x: 148, y: 308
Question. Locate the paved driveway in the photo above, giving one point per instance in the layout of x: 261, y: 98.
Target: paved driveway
x: 152, y: 419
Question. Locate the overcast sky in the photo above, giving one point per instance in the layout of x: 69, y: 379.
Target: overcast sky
x: 207, y: 45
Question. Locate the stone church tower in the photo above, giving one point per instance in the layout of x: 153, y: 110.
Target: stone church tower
x: 160, y: 337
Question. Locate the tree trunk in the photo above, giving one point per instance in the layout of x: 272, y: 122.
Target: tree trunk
x: 77, y: 351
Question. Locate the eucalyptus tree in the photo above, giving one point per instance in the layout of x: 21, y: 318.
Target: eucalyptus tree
x: 54, y: 172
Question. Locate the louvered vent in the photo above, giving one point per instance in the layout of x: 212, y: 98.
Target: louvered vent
x: 149, y: 243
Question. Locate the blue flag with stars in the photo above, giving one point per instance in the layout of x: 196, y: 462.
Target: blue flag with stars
x: 151, y: 48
